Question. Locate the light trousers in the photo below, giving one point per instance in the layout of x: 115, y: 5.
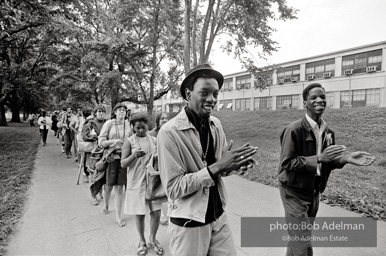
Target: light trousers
x: 214, y: 239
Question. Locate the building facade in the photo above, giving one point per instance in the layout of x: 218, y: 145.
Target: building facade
x: 353, y: 77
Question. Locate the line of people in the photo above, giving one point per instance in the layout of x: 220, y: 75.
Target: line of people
x: 194, y: 156
x: 130, y: 146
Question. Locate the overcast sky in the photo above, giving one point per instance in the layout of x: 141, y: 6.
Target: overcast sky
x: 322, y: 26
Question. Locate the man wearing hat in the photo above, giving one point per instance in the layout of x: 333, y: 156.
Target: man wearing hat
x: 193, y: 154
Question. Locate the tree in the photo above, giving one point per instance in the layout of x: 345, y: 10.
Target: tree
x: 20, y: 59
x: 245, y: 22
x: 118, y: 50
x: 158, y: 32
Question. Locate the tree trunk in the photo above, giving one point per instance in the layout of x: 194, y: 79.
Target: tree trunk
x: 213, y: 32
x: 114, y: 87
x: 3, y: 120
x: 188, y: 8
x: 15, y: 115
x: 114, y: 95
x: 154, y: 63
x: 194, y: 31
x: 204, y: 31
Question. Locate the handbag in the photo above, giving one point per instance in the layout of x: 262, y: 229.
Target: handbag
x: 154, y: 189
x: 107, y: 157
x: 85, y: 146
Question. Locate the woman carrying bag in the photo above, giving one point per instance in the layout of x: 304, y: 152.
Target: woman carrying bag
x: 90, y: 132
x: 136, y: 153
x: 114, y: 133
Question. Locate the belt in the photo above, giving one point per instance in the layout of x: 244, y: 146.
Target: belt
x: 315, y: 190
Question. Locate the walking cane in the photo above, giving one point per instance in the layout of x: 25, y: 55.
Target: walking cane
x: 80, y: 168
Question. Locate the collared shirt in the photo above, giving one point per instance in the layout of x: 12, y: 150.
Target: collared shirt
x: 318, y: 132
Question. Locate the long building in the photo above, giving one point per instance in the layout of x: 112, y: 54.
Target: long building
x: 352, y: 77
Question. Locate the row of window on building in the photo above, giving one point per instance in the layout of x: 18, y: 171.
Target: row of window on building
x: 359, y: 98
x: 355, y: 63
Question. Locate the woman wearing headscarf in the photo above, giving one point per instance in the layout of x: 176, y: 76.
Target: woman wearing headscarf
x: 114, y: 133
x: 136, y: 153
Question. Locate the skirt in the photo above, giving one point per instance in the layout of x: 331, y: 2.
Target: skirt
x: 115, y: 174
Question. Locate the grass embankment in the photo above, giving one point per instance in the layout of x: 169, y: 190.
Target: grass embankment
x: 359, y: 189
x: 18, y: 147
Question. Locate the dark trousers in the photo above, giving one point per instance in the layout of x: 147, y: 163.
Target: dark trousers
x: 298, y: 206
x: 84, y: 157
x: 43, y: 133
x: 67, y: 142
x: 31, y: 123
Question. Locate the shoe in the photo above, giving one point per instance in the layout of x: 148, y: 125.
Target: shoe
x: 142, y: 249
x: 95, y: 201
x: 85, y: 179
x: 121, y: 223
x: 156, y: 246
x: 164, y: 220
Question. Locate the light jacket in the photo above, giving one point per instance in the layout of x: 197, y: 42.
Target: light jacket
x: 47, y: 124
x: 183, y: 175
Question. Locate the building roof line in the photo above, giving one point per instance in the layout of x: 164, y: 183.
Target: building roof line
x: 316, y: 56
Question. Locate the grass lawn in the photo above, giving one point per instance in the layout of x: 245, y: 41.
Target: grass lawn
x: 18, y: 147
x: 360, y: 189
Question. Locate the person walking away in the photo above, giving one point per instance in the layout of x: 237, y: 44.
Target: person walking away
x: 193, y: 154
x: 136, y: 153
x: 114, y: 133
x: 308, y: 155
x: 44, y: 123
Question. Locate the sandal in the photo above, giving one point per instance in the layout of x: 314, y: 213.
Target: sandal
x: 121, y: 223
x: 156, y: 246
x: 142, y: 249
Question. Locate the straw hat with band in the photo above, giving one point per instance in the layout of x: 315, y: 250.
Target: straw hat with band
x: 200, y: 71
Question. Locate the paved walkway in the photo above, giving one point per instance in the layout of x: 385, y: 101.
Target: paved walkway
x: 60, y: 220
